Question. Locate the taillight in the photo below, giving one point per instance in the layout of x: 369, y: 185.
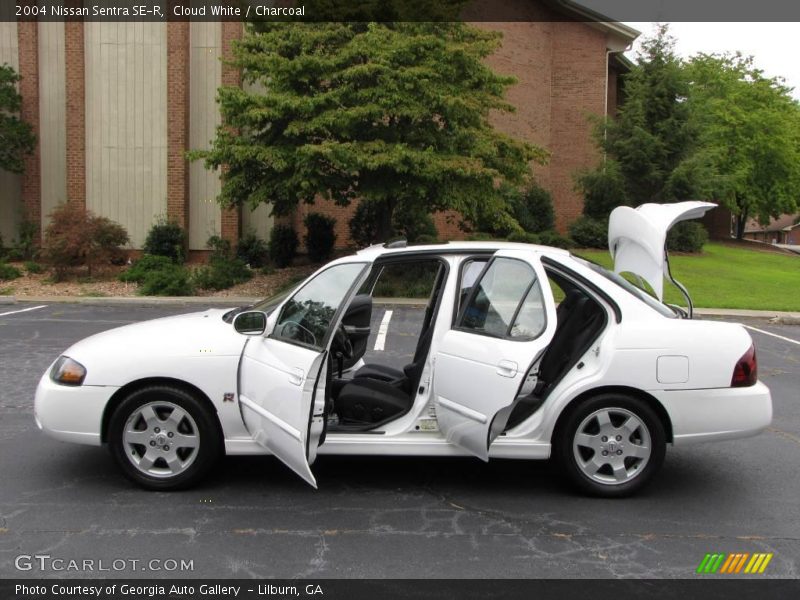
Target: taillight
x: 746, y: 371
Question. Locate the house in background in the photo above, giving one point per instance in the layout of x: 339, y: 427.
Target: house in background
x: 116, y: 105
x: 783, y: 230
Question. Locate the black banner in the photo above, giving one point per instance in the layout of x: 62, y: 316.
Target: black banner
x: 401, y: 10
x: 404, y: 589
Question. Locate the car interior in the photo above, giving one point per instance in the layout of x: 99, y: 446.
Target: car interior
x: 374, y: 394
x: 580, y: 319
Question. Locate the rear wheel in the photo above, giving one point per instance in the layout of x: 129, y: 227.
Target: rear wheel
x: 163, y: 438
x: 611, y: 445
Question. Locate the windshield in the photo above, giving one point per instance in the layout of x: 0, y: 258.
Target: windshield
x: 628, y: 287
x: 270, y: 303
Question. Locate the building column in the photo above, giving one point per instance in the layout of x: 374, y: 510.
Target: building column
x: 75, y: 92
x: 231, y: 218
x: 28, y: 43
x: 178, y: 122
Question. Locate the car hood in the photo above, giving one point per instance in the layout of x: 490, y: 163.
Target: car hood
x: 199, y: 334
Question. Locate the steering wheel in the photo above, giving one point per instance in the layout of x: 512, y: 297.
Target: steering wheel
x: 342, y: 343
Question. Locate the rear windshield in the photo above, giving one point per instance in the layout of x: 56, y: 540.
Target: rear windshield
x: 628, y: 287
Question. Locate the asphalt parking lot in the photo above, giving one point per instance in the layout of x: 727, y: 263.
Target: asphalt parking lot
x: 385, y: 517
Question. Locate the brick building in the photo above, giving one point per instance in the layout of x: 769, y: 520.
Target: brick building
x: 116, y: 105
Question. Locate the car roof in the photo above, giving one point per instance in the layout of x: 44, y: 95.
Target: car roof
x: 456, y: 247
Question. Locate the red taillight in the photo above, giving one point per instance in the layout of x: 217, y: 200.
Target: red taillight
x: 746, y: 371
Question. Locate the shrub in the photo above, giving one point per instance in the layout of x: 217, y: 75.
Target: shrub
x: 687, y: 236
x: 26, y: 245
x: 524, y: 237
x: 2, y: 248
x: 33, y: 267
x: 481, y: 236
x: 555, y: 239
x: 320, y: 237
x: 414, y: 223
x: 172, y: 280
x: 253, y: 250
x: 588, y: 232
x: 603, y: 190
x: 533, y: 209
x: 223, y: 270
x: 282, y: 245
x: 8, y: 272
x: 221, y: 274
x: 365, y: 223
x: 76, y: 237
x: 148, y: 263
x: 166, y: 238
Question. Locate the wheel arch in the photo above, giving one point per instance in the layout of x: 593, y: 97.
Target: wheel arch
x: 138, y: 384
x: 649, y: 399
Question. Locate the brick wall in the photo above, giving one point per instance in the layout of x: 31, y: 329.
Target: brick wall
x: 178, y: 122
x: 718, y: 223
x: 231, y: 223
x: 28, y: 40
x: 75, y: 90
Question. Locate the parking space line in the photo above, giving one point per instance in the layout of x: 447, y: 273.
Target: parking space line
x: 383, y: 329
x: 775, y: 335
x: 14, y: 312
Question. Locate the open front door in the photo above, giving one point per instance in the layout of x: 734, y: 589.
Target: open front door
x: 505, y: 325
x: 282, y: 375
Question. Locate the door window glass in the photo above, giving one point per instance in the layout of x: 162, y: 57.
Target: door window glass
x: 307, y: 317
x: 506, y: 303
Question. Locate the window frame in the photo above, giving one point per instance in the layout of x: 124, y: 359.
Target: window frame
x: 323, y: 346
x: 474, y: 292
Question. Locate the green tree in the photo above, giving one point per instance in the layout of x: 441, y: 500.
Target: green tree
x: 749, y: 132
x: 650, y: 146
x: 395, y: 113
x: 16, y: 136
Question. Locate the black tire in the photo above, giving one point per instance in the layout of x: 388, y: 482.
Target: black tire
x: 199, y: 461
x: 641, y: 472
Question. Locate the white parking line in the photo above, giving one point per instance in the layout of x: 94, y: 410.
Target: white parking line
x: 22, y: 310
x: 380, y: 341
x: 775, y: 335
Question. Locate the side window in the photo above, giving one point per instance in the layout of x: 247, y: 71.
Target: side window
x: 307, y: 317
x: 506, y: 303
x: 470, y: 271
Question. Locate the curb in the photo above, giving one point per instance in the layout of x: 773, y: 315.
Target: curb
x: 777, y: 316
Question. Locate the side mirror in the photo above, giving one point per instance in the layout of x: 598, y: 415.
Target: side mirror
x: 251, y: 322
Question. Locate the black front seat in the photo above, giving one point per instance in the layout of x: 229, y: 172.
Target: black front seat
x: 408, y: 378
x: 368, y: 399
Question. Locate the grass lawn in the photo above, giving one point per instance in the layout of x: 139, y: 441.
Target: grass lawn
x: 726, y: 276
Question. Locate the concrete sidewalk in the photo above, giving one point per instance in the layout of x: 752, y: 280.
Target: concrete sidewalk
x: 786, y: 317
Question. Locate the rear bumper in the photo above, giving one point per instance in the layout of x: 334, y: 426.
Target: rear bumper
x: 71, y: 414
x: 717, y: 414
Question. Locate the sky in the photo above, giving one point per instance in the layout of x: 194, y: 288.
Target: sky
x: 775, y: 46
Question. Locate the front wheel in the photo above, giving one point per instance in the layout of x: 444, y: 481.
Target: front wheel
x: 610, y: 445
x: 163, y: 438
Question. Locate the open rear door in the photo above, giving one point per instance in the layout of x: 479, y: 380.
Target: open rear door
x: 637, y: 239
x: 505, y: 324
x: 282, y: 374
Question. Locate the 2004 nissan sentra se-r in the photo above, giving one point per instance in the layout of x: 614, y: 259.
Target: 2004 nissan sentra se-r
x: 523, y: 352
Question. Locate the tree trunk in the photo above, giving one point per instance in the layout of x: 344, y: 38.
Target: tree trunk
x: 385, y: 229
x: 741, y: 220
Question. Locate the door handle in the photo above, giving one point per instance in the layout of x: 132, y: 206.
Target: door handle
x: 296, y: 376
x: 507, y: 368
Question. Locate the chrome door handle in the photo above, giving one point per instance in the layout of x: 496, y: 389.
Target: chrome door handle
x: 296, y: 376
x: 507, y: 368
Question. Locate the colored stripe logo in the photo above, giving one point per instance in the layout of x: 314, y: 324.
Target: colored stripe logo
x: 737, y: 562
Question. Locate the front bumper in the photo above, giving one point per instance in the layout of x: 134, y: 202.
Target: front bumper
x: 717, y: 414
x: 71, y: 414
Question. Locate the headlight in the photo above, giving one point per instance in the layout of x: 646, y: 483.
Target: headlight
x: 68, y: 372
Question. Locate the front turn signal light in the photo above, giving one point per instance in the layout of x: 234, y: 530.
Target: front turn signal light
x: 68, y: 372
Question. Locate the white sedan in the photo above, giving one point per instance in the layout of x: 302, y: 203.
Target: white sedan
x: 522, y: 351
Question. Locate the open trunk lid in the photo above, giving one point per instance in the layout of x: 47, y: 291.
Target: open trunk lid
x: 637, y: 240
